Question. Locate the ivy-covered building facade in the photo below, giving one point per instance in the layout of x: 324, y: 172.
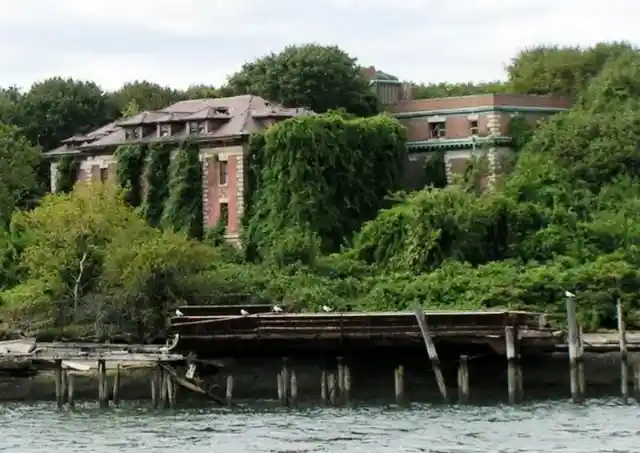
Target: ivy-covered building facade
x: 220, y: 128
x: 458, y: 129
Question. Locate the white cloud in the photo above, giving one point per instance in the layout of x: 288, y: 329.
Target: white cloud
x: 196, y: 41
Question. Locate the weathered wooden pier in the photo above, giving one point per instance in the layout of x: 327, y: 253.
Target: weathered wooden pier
x: 204, y: 337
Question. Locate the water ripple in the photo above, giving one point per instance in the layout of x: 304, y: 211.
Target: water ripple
x: 598, y: 426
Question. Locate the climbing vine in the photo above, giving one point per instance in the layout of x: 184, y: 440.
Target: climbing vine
x: 320, y: 177
x: 129, y: 171
x: 183, y: 209
x: 521, y: 131
x: 158, y: 161
x: 67, y: 174
x: 435, y: 170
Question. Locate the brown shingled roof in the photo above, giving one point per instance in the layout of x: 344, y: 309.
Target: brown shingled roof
x: 240, y: 115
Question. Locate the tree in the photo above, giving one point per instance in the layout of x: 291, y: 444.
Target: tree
x: 442, y: 90
x: 561, y: 70
x: 59, y: 108
x: 317, y: 77
x: 144, y: 95
x: 18, y: 160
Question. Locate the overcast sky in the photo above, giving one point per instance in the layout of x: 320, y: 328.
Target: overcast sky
x: 185, y: 42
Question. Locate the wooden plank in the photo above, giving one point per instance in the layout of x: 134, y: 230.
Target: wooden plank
x: 431, y: 351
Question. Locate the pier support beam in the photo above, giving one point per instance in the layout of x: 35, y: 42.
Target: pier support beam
x: 513, y: 365
x: 398, y: 380
x: 70, y: 390
x: 576, y: 370
x: 116, y: 386
x: 324, y: 387
x: 229, y: 391
x: 346, y: 385
x: 624, y: 363
x: 59, y: 384
x: 156, y: 381
x: 332, y: 388
x: 463, y: 380
x: 431, y: 351
x: 293, y: 394
x: 285, y: 379
x: 103, y: 393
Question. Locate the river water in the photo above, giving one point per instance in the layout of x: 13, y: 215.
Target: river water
x: 600, y: 425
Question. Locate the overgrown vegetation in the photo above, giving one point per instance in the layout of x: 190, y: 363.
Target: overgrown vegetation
x: 322, y: 228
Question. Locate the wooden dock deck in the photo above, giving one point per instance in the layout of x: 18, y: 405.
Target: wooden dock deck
x: 223, y: 331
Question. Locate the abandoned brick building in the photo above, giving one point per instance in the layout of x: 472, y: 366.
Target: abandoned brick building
x: 455, y: 126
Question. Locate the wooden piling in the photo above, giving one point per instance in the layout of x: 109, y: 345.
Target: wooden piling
x: 347, y: 383
x: 431, y: 350
x: 156, y: 380
x: 624, y: 364
x: 463, y: 380
x: 116, y: 386
x: 331, y: 388
x: 285, y: 381
x: 164, y: 391
x: 512, y: 366
x: 399, y: 384
x: 58, y: 380
x: 70, y: 390
x: 229, y: 392
x: 340, y: 383
x: 636, y: 381
x: 103, y: 396
x: 293, y: 397
x: 280, y: 382
x: 575, y: 355
x: 324, y: 387
x: 171, y: 390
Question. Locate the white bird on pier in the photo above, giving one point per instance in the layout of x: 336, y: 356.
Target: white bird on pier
x: 327, y: 309
x: 179, y: 313
x: 244, y: 312
x: 569, y: 294
x: 277, y: 309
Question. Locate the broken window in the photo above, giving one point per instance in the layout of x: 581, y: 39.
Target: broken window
x: 438, y: 130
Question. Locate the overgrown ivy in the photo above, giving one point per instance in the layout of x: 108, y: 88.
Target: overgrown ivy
x: 183, y: 209
x: 158, y: 161
x: 129, y: 171
x: 435, y: 170
x: 216, y: 236
x: 521, y: 131
x: 319, y: 178
x: 67, y: 174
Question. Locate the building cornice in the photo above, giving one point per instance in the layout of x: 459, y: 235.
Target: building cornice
x: 480, y: 109
x: 457, y: 143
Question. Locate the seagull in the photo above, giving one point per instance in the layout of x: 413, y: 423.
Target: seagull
x: 569, y: 294
x: 327, y: 308
x: 244, y: 312
x: 179, y: 313
x: 277, y: 309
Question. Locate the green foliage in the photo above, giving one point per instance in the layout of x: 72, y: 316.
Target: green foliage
x: 157, y: 187
x: 521, y: 131
x: 144, y: 95
x: 183, y: 210
x: 436, y: 170
x: 442, y: 90
x: 130, y: 170
x: 318, y: 178
x: 18, y: 159
x: 317, y: 77
x: 562, y: 70
x: 67, y: 169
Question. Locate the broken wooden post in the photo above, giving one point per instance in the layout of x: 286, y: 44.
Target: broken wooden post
x: 431, y: 350
x: 116, y: 386
x: 70, y: 389
x: 624, y: 364
x: 575, y: 356
x: 398, y: 378
x: 103, y: 400
x: 512, y: 370
x: 164, y: 391
x: 171, y: 390
x: 156, y: 380
x: 58, y: 380
x: 463, y: 380
x: 229, y: 392
x: 294, y: 389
